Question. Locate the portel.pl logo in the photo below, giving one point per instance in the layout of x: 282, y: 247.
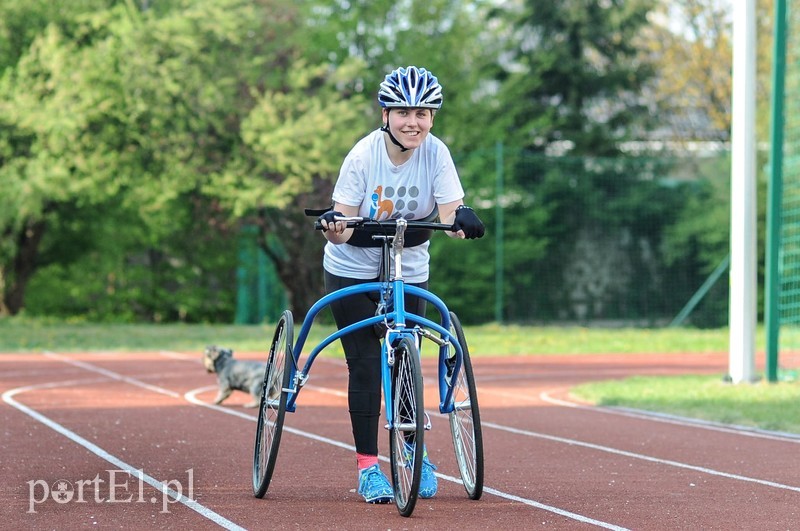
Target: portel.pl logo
x: 118, y: 487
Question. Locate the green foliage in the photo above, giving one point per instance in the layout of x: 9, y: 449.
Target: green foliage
x: 572, y: 73
x: 138, y: 137
x: 704, y: 223
x: 136, y: 114
x: 448, y: 37
x: 582, y: 240
x: 699, y: 239
x: 22, y: 22
x: 292, y: 136
x: 462, y: 274
x: 190, y: 277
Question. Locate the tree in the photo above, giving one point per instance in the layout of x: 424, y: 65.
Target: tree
x: 41, y: 116
x: 452, y: 39
x: 21, y: 23
x: 139, y: 138
x: 689, y: 41
x: 171, y: 110
x: 570, y: 82
x: 572, y: 76
x: 448, y: 37
x: 132, y: 109
x: 292, y: 143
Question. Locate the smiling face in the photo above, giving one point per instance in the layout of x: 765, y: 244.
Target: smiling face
x: 409, y: 126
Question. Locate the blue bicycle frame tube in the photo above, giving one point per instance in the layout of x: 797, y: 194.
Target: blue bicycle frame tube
x: 399, y: 316
x: 393, y: 337
x: 320, y: 305
x: 446, y: 389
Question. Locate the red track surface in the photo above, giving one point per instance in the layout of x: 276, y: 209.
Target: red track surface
x: 82, y: 419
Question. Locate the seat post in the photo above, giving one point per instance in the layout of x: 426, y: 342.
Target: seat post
x: 397, y: 247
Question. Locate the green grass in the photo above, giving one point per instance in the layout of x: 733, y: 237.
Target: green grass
x: 761, y: 405
x: 773, y: 407
x: 36, y: 335
x: 33, y: 335
x: 549, y: 340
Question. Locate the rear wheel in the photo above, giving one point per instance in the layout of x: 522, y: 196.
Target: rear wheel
x: 465, y: 420
x: 272, y: 408
x: 407, y: 429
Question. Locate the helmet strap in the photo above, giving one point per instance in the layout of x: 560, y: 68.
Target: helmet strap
x: 396, y: 142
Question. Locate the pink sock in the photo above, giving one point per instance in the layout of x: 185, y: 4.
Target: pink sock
x: 366, y: 461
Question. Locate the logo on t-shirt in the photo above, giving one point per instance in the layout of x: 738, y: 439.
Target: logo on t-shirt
x: 388, y: 203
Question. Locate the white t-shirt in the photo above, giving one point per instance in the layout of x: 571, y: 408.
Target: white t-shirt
x: 369, y: 180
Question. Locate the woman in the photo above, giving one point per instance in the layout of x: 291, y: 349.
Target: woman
x: 399, y: 170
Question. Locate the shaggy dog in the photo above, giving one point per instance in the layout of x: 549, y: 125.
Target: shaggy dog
x: 234, y: 375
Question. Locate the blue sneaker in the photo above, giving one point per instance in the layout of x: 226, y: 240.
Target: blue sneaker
x: 428, y: 483
x: 374, y: 486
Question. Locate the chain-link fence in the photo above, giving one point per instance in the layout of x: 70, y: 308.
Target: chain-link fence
x: 595, y: 241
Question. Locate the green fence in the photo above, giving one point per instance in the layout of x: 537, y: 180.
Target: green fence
x: 259, y: 294
x: 783, y: 244
x: 589, y: 240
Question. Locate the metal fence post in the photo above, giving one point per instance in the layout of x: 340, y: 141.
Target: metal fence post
x: 498, y: 230
x: 772, y: 281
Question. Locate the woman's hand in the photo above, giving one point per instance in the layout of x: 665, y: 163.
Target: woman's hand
x: 467, y: 223
x: 337, y: 231
x: 329, y: 223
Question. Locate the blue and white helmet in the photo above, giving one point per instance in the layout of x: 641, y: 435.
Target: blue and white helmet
x: 410, y: 87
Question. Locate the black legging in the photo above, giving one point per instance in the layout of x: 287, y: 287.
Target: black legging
x: 362, y: 350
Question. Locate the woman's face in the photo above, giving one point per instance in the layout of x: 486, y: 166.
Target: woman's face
x: 409, y: 126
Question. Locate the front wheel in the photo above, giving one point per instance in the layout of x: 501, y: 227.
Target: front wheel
x: 465, y: 421
x: 272, y: 408
x: 407, y: 427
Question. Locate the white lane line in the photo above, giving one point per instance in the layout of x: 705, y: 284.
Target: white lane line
x: 607, y: 449
x: 191, y: 396
x: 573, y: 442
x: 112, y: 375
x: 672, y: 419
x: 8, y: 398
x: 180, y: 356
x: 601, y: 448
x: 746, y: 431
x: 553, y: 438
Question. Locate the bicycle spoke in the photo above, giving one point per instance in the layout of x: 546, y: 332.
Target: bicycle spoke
x: 272, y: 407
x: 465, y: 421
x: 407, y: 429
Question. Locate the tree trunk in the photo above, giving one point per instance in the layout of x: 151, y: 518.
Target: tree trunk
x: 297, y: 255
x: 14, y: 279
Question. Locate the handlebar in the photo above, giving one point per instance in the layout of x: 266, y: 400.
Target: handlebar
x: 385, y: 227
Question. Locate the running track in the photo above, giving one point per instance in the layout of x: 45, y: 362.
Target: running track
x: 114, y: 430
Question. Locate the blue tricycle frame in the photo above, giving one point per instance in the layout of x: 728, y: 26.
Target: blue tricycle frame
x: 399, y: 316
x: 400, y: 374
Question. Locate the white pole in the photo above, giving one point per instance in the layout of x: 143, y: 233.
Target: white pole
x: 742, y: 317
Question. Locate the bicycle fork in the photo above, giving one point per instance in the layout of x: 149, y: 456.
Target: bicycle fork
x: 391, y: 338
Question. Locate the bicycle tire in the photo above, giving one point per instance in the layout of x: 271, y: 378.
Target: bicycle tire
x: 465, y: 421
x: 272, y: 407
x: 406, y: 445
